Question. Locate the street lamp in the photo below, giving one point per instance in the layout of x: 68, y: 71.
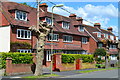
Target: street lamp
x: 52, y: 35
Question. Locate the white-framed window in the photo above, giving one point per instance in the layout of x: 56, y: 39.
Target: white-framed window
x: 65, y: 25
x: 99, y: 34
x: 48, y: 54
x: 48, y: 20
x: 20, y: 15
x: 81, y: 28
x: 24, y: 50
x: 113, y: 46
x: 84, y: 40
x: 111, y: 37
x: 23, y: 34
x: 55, y: 37
x: 67, y: 38
x: 116, y: 38
x: 106, y: 36
x: 100, y: 45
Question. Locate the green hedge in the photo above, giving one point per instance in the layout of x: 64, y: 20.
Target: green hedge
x: 70, y: 58
x: 17, y: 58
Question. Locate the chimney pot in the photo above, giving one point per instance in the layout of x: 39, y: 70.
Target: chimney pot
x: 43, y: 6
x: 72, y: 16
x: 97, y: 25
x: 110, y: 29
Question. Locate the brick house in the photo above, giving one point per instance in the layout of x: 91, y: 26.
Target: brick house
x: 70, y: 36
x: 98, y: 36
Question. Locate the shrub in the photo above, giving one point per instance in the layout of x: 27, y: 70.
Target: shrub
x: 100, y: 52
x: 19, y: 45
x: 17, y: 58
x: 70, y: 58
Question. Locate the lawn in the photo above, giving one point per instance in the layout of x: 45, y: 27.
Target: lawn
x: 88, y: 71
x: 42, y: 76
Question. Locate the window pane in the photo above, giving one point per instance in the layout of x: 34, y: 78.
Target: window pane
x: 22, y: 33
x: 29, y: 34
x: 24, y: 16
x: 25, y: 34
x: 18, y: 33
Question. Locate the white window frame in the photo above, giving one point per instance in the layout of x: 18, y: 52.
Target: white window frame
x: 112, y: 46
x: 81, y: 28
x: 55, y: 37
x: 106, y: 36
x: 19, y: 15
x: 24, y: 50
x: 65, y: 25
x: 49, y: 20
x: 24, y: 37
x: 48, y: 54
x: 84, y: 40
x: 99, y: 34
x: 111, y: 37
x: 68, y: 38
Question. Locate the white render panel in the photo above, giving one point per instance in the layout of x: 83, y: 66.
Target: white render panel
x: 5, y: 39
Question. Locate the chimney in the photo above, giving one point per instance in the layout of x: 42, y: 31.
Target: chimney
x: 110, y: 29
x: 97, y: 25
x: 80, y: 20
x: 43, y: 6
x: 72, y: 16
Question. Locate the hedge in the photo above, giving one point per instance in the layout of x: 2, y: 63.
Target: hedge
x: 17, y: 58
x: 19, y: 45
x: 70, y: 58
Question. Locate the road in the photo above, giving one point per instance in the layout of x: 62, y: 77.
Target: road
x: 98, y: 74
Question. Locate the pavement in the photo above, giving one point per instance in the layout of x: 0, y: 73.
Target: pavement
x: 74, y: 74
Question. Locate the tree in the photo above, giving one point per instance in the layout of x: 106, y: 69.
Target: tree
x: 100, y: 52
x: 40, y: 34
x: 25, y: 4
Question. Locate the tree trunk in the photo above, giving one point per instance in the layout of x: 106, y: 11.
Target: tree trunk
x: 40, y: 56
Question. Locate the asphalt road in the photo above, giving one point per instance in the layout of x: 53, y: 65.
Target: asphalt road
x: 98, y: 74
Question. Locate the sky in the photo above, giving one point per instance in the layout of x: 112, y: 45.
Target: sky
x: 105, y: 13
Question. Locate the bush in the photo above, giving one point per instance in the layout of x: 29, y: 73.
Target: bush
x: 70, y: 58
x: 100, y: 52
x: 19, y: 45
x: 100, y: 65
x: 17, y: 58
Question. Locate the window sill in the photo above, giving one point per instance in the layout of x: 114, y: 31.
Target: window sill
x: 67, y: 42
x: 24, y: 38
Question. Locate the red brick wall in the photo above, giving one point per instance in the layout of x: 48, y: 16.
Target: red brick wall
x: 92, y: 45
x: 76, y: 40
x: 86, y: 46
x: 59, y: 66
x: 13, y: 36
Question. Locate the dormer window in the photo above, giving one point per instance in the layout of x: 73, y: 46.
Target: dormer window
x: 20, y: 15
x: 65, y: 25
x: 81, y: 28
x: 48, y: 20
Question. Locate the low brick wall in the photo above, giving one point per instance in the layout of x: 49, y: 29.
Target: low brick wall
x: 13, y: 69
x: 68, y: 67
x: 59, y: 66
x: 88, y: 65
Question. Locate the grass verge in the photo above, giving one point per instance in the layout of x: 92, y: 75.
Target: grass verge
x: 88, y: 71
x: 42, y: 76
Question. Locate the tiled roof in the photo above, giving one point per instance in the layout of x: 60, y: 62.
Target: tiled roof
x: 8, y: 6
x: 91, y: 30
x: 58, y: 28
